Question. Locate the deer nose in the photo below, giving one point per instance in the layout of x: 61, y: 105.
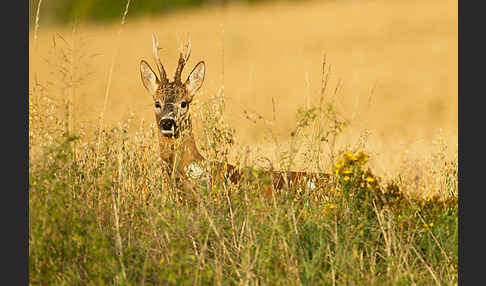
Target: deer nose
x: 167, y: 124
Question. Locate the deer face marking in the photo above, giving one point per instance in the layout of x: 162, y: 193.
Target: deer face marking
x: 172, y: 99
x: 171, y: 104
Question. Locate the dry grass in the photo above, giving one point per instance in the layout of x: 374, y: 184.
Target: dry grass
x: 397, y: 61
x: 102, y: 211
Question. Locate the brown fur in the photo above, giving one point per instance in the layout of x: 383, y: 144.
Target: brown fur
x: 179, y: 150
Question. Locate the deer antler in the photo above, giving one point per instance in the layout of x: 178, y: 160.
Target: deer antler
x: 182, y: 61
x: 158, y: 62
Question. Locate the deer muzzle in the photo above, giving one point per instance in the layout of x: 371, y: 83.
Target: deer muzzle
x: 168, y: 126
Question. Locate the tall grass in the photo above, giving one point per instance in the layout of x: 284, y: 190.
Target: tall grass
x: 103, y: 211
x: 118, y: 220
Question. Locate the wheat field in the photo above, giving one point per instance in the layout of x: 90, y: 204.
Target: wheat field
x: 363, y: 90
x: 396, y: 63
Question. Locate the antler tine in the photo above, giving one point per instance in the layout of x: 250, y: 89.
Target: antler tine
x: 158, y: 62
x: 188, y: 50
x: 183, y: 58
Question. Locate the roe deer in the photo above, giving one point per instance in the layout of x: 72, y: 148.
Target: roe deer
x: 178, y: 148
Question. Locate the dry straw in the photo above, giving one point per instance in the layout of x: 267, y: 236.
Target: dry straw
x: 36, y: 27
x: 110, y: 74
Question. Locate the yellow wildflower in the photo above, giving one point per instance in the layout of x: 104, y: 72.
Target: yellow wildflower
x: 362, y: 157
x: 427, y: 227
x: 328, y: 208
x: 338, y: 166
x: 349, y: 157
x: 370, y: 179
x: 348, y: 170
x: 304, y: 214
x: 346, y: 178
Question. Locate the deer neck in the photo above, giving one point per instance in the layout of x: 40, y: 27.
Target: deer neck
x: 181, y: 151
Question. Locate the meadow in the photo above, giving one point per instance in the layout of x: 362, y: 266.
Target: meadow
x: 363, y: 90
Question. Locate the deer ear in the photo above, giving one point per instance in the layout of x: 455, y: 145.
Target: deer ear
x: 149, y: 78
x: 195, y: 79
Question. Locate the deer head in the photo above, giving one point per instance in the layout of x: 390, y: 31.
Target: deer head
x: 172, y: 98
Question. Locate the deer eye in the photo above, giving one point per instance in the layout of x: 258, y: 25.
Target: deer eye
x: 183, y: 104
x: 157, y: 105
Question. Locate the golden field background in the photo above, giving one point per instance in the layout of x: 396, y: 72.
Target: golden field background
x: 397, y: 61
